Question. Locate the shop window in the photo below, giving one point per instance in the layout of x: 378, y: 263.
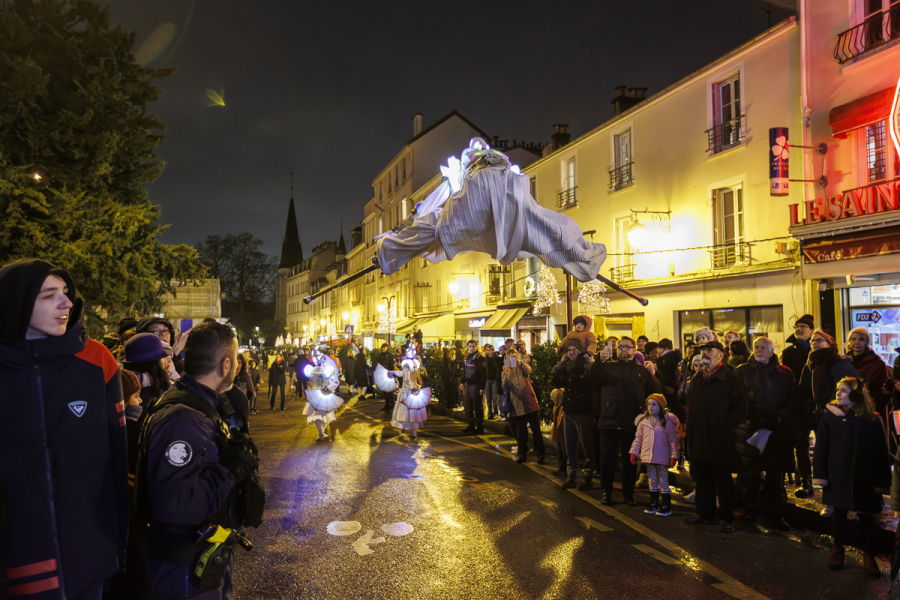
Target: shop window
x: 751, y: 322
x: 877, y: 308
x: 728, y: 231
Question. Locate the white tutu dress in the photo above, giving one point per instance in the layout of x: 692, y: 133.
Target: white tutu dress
x: 404, y: 417
x: 323, y: 382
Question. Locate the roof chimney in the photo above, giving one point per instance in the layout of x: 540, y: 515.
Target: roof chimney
x: 560, y: 137
x: 623, y: 102
x: 417, y: 124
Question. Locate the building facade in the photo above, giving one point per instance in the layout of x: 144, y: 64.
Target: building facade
x: 849, y: 225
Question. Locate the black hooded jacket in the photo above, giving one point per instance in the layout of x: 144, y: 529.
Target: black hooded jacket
x: 64, y: 473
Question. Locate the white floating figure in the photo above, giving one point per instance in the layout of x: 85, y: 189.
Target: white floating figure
x: 410, y: 411
x: 397, y: 529
x: 341, y: 528
x: 321, y: 401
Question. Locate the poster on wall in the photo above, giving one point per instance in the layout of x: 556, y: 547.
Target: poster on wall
x: 778, y: 161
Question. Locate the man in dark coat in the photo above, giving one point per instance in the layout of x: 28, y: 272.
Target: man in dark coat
x: 621, y: 388
x: 716, y: 405
x: 64, y: 471
x: 774, y: 402
x: 474, y: 377
x: 794, y: 358
x: 580, y: 408
x: 277, y: 380
x: 670, y: 378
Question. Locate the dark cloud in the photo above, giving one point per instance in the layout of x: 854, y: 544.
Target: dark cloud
x: 329, y: 89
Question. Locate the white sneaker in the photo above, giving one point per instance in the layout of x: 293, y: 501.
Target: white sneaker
x: 514, y: 449
x: 692, y: 498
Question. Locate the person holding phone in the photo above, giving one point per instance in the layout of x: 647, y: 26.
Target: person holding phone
x: 580, y: 408
x: 524, y: 408
x: 609, y: 350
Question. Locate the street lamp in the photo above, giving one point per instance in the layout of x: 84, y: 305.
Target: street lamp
x: 381, y: 308
x: 346, y: 316
x: 637, y: 233
x: 453, y: 286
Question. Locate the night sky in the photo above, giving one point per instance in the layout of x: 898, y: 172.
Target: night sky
x: 329, y: 89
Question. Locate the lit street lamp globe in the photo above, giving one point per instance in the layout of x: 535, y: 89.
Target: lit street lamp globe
x: 453, y: 286
x: 637, y: 234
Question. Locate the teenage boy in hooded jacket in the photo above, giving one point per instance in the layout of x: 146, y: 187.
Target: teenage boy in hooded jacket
x: 64, y: 473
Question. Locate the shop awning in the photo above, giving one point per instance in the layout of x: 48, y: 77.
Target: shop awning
x: 849, y: 247
x: 860, y: 112
x: 505, y: 318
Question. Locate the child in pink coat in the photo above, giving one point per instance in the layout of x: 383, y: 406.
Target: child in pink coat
x: 658, y: 444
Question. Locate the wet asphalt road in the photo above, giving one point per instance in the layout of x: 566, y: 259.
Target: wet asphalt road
x: 486, y: 527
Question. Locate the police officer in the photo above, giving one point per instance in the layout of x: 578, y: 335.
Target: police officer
x: 193, y: 468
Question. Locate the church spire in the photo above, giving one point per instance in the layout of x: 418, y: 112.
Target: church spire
x: 291, y: 250
x: 342, y: 247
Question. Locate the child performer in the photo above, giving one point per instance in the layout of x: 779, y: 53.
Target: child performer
x: 852, y: 464
x: 658, y: 444
x: 321, y: 401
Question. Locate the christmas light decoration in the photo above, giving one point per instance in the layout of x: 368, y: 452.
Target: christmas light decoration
x: 547, y: 295
x: 386, y: 322
x: 332, y: 331
x: 593, y: 293
x: 279, y: 342
x: 529, y: 286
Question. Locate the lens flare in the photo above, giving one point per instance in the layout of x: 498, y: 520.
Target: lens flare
x: 215, y: 97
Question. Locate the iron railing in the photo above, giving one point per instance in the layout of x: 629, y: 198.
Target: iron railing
x: 878, y: 29
x: 622, y: 274
x: 621, y: 177
x: 725, y: 135
x: 567, y: 197
x: 730, y: 255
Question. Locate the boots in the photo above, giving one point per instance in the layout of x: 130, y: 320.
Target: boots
x: 836, y: 561
x: 805, y: 490
x: 870, y: 567
x: 665, y: 507
x: 654, y: 503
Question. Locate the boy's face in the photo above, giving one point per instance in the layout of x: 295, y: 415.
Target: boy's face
x: 579, y: 326
x: 50, y: 315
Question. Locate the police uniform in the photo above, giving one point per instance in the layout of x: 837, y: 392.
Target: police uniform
x: 186, y: 485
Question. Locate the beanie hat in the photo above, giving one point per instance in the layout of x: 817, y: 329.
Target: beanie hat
x: 574, y: 342
x: 125, y: 324
x: 861, y: 331
x: 806, y: 320
x: 659, y: 398
x: 130, y: 384
x: 706, y: 332
x: 827, y: 336
x: 144, y: 347
x: 639, y: 358
x: 650, y: 347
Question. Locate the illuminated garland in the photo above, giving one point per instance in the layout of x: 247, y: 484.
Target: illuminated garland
x: 279, y: 342
x: 386, y: 322
x: 593, y: 293
x: 547, y: 294
x: 529, y: 286
x: 332, y: 332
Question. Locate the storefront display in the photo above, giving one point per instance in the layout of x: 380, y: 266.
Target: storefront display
x: 877, y: 308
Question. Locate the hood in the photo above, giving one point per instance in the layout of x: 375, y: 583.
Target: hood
x: 21, y: 353
x: 588, y: 323
x: 20, y: 284
x: 670, y: 358
x: 144, y: 325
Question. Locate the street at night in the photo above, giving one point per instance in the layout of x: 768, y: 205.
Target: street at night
x: 484, y: 526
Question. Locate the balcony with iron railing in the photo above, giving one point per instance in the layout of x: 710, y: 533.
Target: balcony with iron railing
x: 877, y: 30
x: 723, y: 257
x: 621, y: 177
x: 567, y: 198
x: 622, y: 274
x: 727, y: 134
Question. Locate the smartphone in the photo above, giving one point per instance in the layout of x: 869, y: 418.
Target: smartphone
x: 511, y: 362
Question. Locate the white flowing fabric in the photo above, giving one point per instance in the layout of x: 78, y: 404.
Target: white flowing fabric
x: 492, y: 213
x: 384, y: 381
x: 323, y: 400
x: 318, y: 399
x: 405, y: 417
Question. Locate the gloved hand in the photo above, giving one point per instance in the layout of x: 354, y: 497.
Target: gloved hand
x: 633, y: 459
x: 239, y: 455
x: 673, y: 462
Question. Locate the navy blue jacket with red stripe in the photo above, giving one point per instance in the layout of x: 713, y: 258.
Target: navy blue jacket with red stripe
x: 63, y: 472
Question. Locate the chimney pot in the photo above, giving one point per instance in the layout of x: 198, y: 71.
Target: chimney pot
x: 417, y: 124
x: 621, y: 89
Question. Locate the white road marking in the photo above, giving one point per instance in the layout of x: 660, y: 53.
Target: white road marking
x: 657, y: 554
x: 545, y: 501
x: 397, y: 529
x: 594, y: 524
x: 343, y: 527
x: 362, y: 544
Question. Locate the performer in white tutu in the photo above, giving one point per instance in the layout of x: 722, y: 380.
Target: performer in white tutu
x: 411, y: 412
x: 321, y: 401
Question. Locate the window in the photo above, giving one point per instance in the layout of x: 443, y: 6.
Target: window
x: 620, y: 177
x: 624, y: 269
x: 728, y: 232
x: 569, y: 182
x: 726, y: 131
x: 403, y: 168
x: 876, y: 165
x: 380, y: 224
x: 390, y: 186
x: 567, y: 195
x: 533, y: 182
x: 403, y: 204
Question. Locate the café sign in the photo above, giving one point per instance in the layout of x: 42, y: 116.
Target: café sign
x: 477, y: 323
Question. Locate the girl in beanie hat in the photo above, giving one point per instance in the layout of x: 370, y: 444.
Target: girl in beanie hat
x: 658, y: 444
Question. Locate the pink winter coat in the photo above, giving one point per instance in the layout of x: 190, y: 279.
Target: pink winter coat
x: 655, y: 445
